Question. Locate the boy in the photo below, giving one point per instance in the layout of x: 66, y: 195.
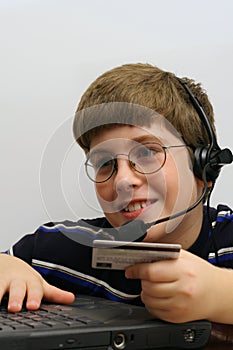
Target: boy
x: 142, y: 169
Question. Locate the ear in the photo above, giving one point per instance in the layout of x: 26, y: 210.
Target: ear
x: 201, y: 183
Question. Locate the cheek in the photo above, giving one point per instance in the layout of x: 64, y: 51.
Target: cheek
x: 166, y: 188
x: 165, y: 182
x: 101, y: 190
x: 104, y: 192
x: 107, y: 197
x: 179, y: 175
x: 181, y: 191
x: 172, y: 180
x: 179, y: 182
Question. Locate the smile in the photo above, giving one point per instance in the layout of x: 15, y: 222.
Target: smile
x: 137, y: 206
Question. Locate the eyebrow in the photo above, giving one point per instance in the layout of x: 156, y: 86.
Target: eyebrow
x: 139, y: 139
x: 147, y: 137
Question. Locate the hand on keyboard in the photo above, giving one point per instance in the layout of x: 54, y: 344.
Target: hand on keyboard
x: 22, y: 282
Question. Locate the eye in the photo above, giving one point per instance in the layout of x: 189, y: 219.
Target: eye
x: 103, y: 163
x: 101, y: 160
x: 148, y: 150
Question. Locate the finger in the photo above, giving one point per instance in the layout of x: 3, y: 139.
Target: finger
x: 35, y: 294
x: 154, y: 303
x: 159, y: 290
x: 168, y: 309
x: 158, y: 307
x: 160, y: 271
x: 17, y: 292
x: 57, y: 295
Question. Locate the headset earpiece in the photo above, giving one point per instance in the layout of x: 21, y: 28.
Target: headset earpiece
x: 202, y: 157
x: 215, y: 160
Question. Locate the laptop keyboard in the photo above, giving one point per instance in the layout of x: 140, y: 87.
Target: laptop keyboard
x: 47, y: 317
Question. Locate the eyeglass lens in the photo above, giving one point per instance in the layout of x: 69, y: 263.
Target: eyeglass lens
x: 145, y: 158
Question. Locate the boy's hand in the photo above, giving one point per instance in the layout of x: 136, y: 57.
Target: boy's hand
x: 185, y: 289
x: 19, y: 280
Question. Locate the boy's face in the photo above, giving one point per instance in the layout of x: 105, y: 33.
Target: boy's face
x: 129, y: 194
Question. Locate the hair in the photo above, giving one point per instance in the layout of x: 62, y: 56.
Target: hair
x: 148, y: 86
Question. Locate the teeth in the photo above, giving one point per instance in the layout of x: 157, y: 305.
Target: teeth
x: 135, y: 206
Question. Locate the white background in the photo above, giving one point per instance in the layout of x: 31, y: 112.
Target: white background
x: 51, y: 50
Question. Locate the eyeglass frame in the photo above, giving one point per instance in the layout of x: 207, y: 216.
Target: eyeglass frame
x: 114, y: 167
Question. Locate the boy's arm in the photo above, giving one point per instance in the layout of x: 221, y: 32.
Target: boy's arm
x: 186, y: 289
x: 20, y: 280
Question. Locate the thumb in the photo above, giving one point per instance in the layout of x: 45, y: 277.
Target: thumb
x: 57, y: 295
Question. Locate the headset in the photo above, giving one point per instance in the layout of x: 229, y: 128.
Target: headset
x: 208, y: 161
x: 210, y: 156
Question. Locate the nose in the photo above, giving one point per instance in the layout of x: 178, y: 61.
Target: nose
x: 125, y: 177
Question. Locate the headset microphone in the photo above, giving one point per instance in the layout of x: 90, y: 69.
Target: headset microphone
x: 221, y: 158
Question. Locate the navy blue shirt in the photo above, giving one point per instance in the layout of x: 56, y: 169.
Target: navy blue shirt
x: 61, y: 252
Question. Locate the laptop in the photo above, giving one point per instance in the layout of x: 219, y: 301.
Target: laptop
x: 93, y: 323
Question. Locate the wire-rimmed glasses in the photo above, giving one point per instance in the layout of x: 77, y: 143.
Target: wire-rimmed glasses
x: 144, y: 158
